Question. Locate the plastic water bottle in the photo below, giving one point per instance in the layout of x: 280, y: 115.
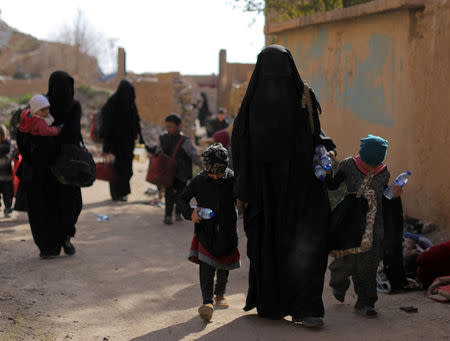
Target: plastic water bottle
x: 320, y: 172
x: 102, y: 217
x: 324, y: 159
x: 205, y: 213
x: 401, y: 181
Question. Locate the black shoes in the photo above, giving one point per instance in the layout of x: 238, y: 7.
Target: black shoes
x: 68, y: 247
x: 308, y: 322
x: 168, y: 220
x: 366, y: 311
x: 178, y: 217
x: 7, y: 212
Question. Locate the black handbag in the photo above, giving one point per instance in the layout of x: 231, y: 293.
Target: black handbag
x: 347, y: 223
x: 75, y: 166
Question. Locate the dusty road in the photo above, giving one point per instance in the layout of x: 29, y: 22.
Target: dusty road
x: 130, y: 280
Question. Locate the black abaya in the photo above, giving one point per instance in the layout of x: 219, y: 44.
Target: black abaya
x: 287, y: 215
x: 53, y: 208
x: 121, y: 126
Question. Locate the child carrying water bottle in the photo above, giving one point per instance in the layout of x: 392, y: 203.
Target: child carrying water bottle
x: 215, y: 241
x: 365, y: 176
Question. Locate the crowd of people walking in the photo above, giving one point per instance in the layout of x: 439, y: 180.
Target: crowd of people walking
x: 270, y: 181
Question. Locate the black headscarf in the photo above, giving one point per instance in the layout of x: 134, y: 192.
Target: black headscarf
x: 125, y: 95
x: 60, y: 95
x: 120, y: 112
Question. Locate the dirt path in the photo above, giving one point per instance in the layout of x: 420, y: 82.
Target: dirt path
x: 130, y: 280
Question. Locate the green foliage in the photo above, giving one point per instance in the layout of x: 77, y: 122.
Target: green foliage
x: 15, y: 332
x: 21, y: 100
x: 24, y: 99
x: 89, y: 91
x: 288, y: 9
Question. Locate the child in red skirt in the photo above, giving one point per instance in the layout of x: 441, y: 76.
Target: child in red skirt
x: 214, y: 246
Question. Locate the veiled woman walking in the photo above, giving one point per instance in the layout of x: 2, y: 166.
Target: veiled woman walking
x: 286, y: 207
x: 53, y: 208
x: 121, y: 126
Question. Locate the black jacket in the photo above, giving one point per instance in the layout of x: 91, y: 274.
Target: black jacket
x: 218, y: 235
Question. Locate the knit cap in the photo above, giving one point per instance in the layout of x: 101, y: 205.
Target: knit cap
x: 38, y: 102
x: 373, y: 150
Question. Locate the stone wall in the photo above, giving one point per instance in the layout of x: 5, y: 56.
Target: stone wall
x: 230, y: 74
x: 383, y: 68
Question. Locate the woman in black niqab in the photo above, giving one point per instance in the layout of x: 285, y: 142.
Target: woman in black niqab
x: 286, y: 218
x: 121, y: 126
x: 53, y: 208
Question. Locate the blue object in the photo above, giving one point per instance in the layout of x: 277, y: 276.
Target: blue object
x: 320, y: 172
x: 423, y: 242
x: 324, y: 159
x: 373, y: 150
x: 401, y: 181
x: 205, y: 213
x: 102, y: 217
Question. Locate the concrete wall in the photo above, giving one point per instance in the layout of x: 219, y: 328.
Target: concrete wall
x: 15, y: 87
x: 384, y: 68
x: 155, y: 97
x: 230, y: 74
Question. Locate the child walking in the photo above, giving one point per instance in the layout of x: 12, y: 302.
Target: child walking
x: 38, y: 120
x: 215, y: 241
x: 185, y: 154
x: 7, y: 152
x: 365, y: 176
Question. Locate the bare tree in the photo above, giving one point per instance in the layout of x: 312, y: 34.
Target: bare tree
x: 86, y: 40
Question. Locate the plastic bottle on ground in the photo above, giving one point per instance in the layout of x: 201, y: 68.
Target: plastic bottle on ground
x: 102, y: 217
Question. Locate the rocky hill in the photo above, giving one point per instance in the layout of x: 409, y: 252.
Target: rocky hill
x: 24, y: 56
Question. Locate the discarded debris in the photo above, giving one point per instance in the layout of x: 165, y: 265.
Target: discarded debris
x: 155, y: 203
x: 409, y: 309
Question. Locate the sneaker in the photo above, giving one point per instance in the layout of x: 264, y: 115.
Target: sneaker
x: 206, y: 312
x: 308, y: 322
x: 221, y: 302
x: 7, y: 212
x: 178, y: 217
x: 68, y: 247
x: 366, y: 311
x: 337, y: 295
x: 168, y: 220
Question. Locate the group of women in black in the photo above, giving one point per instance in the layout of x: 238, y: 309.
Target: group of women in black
x: 286, y: 208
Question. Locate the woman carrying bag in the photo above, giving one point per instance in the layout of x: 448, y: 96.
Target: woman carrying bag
x: 53, y: 207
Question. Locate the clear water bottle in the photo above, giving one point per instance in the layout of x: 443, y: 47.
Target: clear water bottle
x: 205, y: 213
x: 320, y: 172
x: 324, y: 159
x: 102, y: 217
x: 401, y: 181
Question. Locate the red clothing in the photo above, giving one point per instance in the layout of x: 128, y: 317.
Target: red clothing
x: 35, y: 125
x: 199, y: 253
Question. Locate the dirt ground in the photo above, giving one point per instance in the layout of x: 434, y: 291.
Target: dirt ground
x: 130, y: 280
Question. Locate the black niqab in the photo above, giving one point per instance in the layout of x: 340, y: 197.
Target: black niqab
x: 60, y: 95
x: 121, y: 126
x: 273, y: 145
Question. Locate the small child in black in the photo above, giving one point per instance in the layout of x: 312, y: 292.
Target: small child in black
x: 214, y: 245
x: 7, y: 152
